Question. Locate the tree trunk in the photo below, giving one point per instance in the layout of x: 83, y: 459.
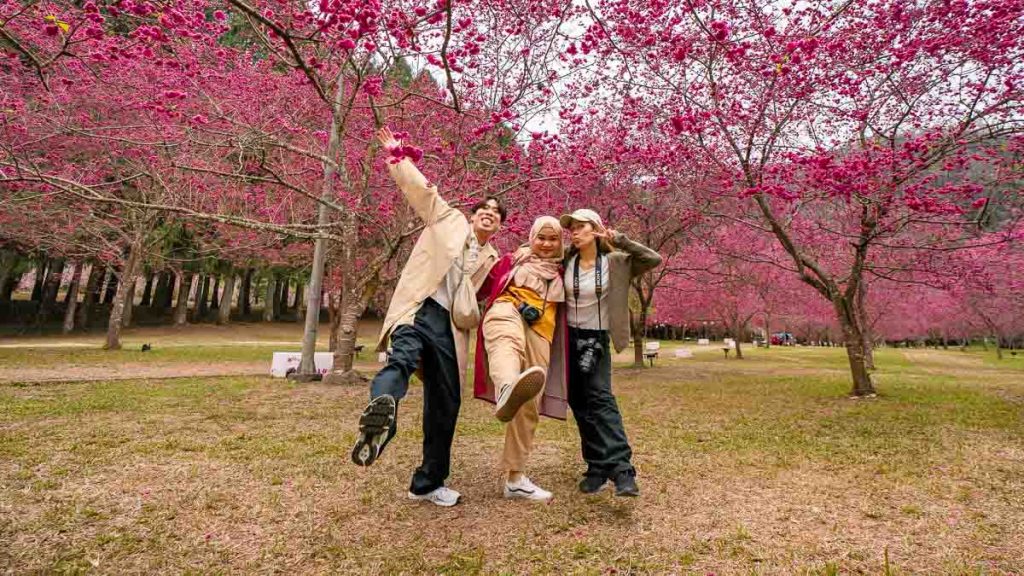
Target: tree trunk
x: 269, y: 300
x: 275, y: 302
x: 307, y: 368
x: 300, y: 313
x: 147, y: 292
x: 37, y: 287
x: 112, y: 282
x: 869, y: 353
x: 184, y: 291
x: 127, y: 279
x: 67, y: 293
x: 92, y: 295
x: 350, y: 310
x: 202, y: 301
x: 215, y: 293
x: 129, y: 302
x: 51, y: 286
x: 170, y: 301
x: 172, y: 280
x: 344, y: 355
x: 767, y: 331
x: 636, y: 329
x: 7, y: 290
x: 245, y: 295
x: 297, y: 298
x: 737, y: 335
x: 865, y: 327
x: 72, y: 299
x: 854, y: 341
x: 284, y: 295
x: 334, y: 321
x: 163, y: 286
x: 224, y: 311
x: 993, y: 328
x: 8, y: 260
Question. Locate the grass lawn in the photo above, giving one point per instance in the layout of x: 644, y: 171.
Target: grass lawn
x: 754, y: 466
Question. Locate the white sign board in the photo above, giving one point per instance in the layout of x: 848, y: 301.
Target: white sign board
x: 282, y: 362
x: 703, y: 342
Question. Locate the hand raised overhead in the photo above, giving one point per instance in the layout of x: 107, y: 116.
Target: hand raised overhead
x: 387, y: 138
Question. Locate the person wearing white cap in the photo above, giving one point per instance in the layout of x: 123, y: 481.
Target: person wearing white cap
x: 598, y: 270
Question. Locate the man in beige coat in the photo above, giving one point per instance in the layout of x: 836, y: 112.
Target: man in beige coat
x: 451, y: 249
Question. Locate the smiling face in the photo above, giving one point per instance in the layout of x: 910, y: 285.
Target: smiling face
x: 547, y: 243
x: 487, y: 219
x: 582, y: 234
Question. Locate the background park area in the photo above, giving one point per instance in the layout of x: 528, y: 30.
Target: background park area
x: 190, y: 458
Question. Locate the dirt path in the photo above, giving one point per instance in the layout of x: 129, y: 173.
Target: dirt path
x: 11, y: 375
x: 192, y: 335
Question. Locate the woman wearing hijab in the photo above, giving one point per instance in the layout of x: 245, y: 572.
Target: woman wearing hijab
x: 514, y: 348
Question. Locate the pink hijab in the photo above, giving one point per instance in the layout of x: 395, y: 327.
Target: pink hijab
x: 542, y: 275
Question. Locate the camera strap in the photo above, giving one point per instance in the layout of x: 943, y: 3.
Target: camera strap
x: 597, y: 287
x: 544, y: 306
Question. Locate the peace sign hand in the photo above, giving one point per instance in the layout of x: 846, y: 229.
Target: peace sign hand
x: 608, y: 234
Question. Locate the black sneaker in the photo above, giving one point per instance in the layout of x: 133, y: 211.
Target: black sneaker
x: 625, y: 483
x: 592, y: 484
x: 374, y: 426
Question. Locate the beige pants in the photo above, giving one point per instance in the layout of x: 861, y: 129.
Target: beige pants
x: 511, y: 348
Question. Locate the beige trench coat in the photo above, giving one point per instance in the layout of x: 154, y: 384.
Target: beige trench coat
x: 444, y: 236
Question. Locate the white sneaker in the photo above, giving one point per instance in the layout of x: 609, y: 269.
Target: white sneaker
x: 443, y: 496
x: 525, y: 489
x: 513, y: 396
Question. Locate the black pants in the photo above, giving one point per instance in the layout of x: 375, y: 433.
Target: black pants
x: 603, y: 437
x: 428, y: 340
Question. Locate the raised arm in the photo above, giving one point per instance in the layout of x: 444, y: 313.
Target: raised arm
x: 642, y: 258
x: 418, y: 191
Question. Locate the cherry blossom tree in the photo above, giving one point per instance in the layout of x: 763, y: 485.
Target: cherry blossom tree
x: 847, y: 129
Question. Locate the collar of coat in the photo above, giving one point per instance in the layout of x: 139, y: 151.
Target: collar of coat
x: 487, y: 251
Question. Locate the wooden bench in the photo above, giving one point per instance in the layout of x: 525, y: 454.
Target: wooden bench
x: 651, y: 351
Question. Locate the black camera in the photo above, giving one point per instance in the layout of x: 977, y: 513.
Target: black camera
x: 590, y: 350
x: 529, y: 313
